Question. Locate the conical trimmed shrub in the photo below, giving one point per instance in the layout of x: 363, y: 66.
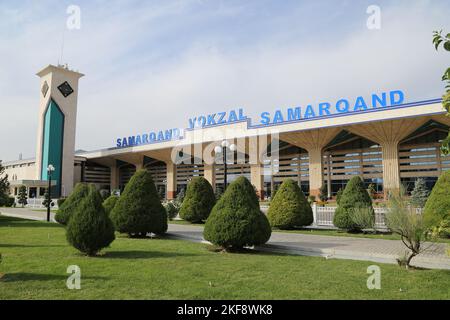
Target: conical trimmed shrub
x: 139, y: 210
x: 236, y: 220
x: 420, y: 194
x: 199, y: 200
x: 437, y: 207
x: 89, y: 229
x: 71, y: 203
x: 290, y: 208
x: 110, y: 203
x: 354, y: 196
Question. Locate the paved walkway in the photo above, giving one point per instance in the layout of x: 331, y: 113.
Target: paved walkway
x: 377, y: 250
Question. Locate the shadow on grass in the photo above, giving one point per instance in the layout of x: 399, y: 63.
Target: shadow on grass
x: 186, y: 223
x: 24, y: 276
x: 134, y: 254
x: 12, y: 245
x: 242, y: 251
x: 23, y: 223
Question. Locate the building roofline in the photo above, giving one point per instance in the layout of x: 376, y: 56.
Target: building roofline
x: 51, y: 68
x: 250, y: 126
x: 15, y: 162
x: 33, y: 160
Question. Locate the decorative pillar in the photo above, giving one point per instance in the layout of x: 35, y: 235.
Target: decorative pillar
x: 329, y: 175
x: 388, y: 135
x: 299, y: 170
x: 314, y: 141
x: 314, y: 210
x: 315, y: 171
x: 272, y: 179
x: 137, y: 161
x: 391, y: 167
x: 257, y: 179
x: 171, y: 181
x: 210, y: 174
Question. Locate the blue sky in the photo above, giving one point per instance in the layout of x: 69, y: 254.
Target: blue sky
x: 153, y: 64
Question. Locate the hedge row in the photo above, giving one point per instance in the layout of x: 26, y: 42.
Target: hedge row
x: 234, y: 222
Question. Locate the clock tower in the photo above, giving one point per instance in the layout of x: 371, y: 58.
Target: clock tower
x: 57, y: 127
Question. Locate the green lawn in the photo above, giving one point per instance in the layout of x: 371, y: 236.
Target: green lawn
x: 36, y: 256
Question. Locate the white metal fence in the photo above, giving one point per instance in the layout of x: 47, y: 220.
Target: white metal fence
x: 323, y: 216
x: 36, y: 203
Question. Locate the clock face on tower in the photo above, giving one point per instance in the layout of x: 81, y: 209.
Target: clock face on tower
x: 65, y: 89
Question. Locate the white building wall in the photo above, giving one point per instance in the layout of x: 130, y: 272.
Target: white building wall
x: 20, y: 170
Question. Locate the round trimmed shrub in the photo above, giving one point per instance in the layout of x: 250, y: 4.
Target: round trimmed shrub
x: 110, y: 203
x: 355, y: 196
x: 236, y: 220
x: 290, y: 208
x: 198, y: 202
x: 68, y: 207
x: 139, y: 210
x: 437, y: 207
x: 89, y: 229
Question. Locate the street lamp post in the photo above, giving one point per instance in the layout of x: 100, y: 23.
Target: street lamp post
x: 223, y: 149
x: 50, y: 169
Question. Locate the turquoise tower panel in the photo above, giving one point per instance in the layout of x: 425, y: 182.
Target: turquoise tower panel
x: 52, y: 145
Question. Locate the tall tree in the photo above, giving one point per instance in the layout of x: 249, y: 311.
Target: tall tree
x: 22, y: 196
x: 439, y: 39
x: 420, y: 193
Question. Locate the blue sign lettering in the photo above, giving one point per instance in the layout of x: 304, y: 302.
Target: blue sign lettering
x: 152, y: 137
x: 323, y: 109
